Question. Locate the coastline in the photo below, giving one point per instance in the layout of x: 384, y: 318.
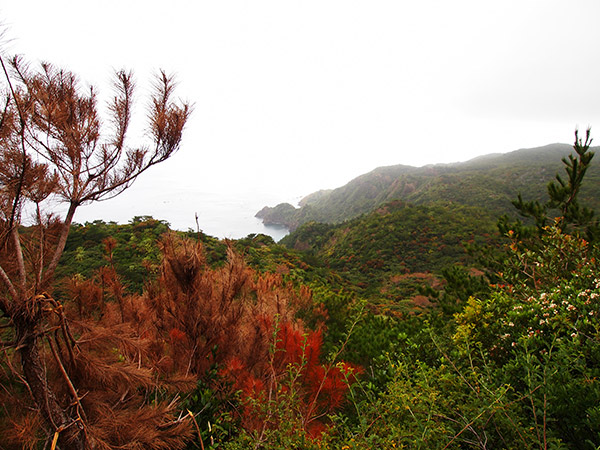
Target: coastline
x: 220, y: 214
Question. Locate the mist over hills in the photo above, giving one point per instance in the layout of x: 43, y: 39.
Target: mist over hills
x: 491, y: 181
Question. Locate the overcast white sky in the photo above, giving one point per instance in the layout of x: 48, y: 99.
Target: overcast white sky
x: 294, y: 96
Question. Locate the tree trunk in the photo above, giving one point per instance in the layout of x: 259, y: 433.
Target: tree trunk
x: 60, y: 245
x: 71, y: 435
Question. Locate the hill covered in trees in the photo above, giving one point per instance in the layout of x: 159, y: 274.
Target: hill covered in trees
x: 412, y: 319
x: 390, y: 251
x: 490, y: 182
x: 382, y: 331
x: 427, y: 325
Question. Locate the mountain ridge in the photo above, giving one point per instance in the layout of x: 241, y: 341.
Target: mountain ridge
x: 491, y: 180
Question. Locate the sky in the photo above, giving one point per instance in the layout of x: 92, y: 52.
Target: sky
x: 295, y: 96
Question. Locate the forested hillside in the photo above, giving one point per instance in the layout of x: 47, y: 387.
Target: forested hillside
x: 388, y: 253
x: 417, y: 326
x: 426, y: 321
x: 490, y: 182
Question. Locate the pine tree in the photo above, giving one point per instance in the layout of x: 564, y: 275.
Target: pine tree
x: 55, y: 148
x: 563, y: 205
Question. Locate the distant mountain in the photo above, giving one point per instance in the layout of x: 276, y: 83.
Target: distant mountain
x: 491, y: 181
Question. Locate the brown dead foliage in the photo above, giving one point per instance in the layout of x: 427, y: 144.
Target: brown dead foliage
x: 60, y: 370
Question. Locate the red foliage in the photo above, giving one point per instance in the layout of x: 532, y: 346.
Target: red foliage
x: 320, y: 389
x: 176, y: 335
x: 236, y: 371
x: 192, y: 318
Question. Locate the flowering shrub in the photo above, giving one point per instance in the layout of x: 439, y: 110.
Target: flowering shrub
x: 540, y: 335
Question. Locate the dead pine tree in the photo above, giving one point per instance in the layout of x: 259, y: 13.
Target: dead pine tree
x: 55, y: 147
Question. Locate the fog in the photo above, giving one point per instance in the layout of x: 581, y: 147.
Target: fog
x: 295, y: 96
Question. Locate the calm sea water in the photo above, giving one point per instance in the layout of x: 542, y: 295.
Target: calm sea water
x: 223, y: 215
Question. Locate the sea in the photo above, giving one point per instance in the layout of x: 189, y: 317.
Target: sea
x: 219, y: 214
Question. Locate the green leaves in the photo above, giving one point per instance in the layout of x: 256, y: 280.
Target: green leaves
x: 563, y: 204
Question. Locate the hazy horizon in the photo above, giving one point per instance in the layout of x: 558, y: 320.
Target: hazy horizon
x: 291, y: 97
x: 221, y: 214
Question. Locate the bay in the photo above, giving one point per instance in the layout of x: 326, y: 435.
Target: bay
x: 220, y: 214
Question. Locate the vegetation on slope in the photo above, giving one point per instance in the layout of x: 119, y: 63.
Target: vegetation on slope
x: 145, y: 338
x: 490, y: 182
x: 388, y: 254
x: 134, y: 250
x: 319, y: 342
x: 513, y: 364
x: 58, y: 148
